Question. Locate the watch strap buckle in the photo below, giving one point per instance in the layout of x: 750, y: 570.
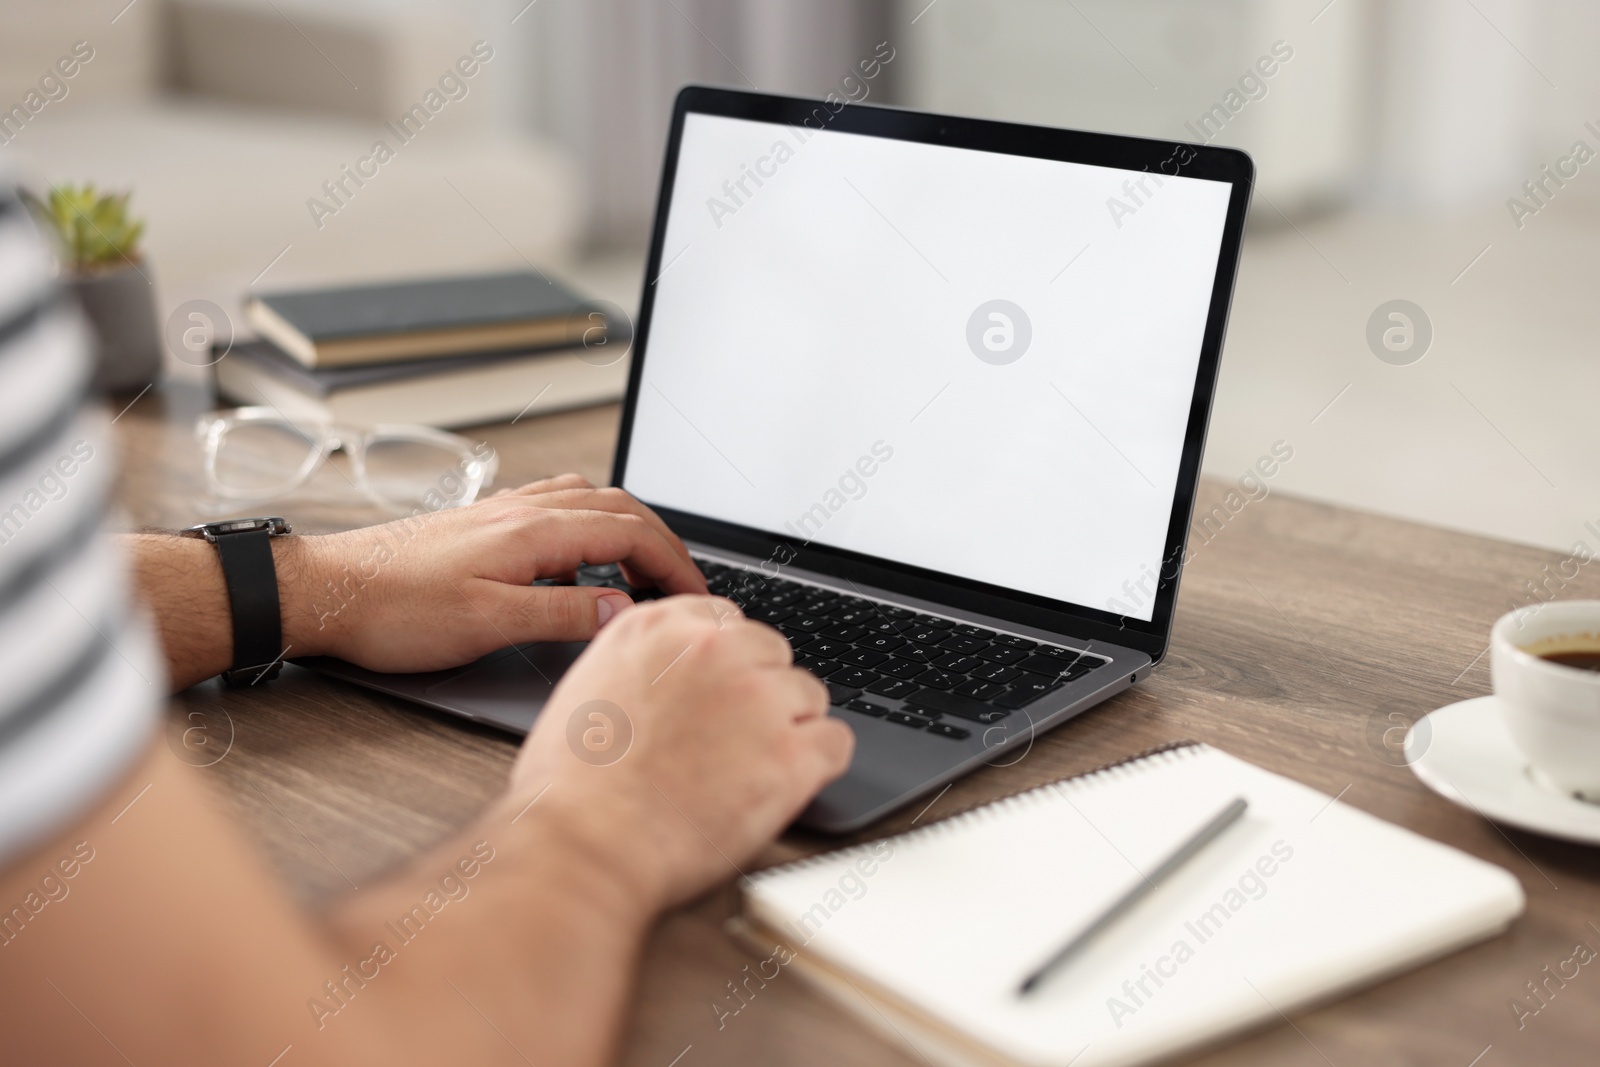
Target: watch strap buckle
x: 244, y: 677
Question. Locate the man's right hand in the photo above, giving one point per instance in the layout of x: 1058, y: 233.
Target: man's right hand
x: 729, y: 741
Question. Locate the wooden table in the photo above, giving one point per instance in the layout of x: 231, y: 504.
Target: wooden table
x: 1304, y: 632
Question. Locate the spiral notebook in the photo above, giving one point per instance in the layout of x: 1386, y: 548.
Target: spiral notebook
x: 926, y: 935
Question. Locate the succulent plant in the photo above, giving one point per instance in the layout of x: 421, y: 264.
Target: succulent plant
x: 94, y: 228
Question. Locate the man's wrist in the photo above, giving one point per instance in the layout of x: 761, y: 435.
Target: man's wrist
x: 301, y: 581
x: 182, y: 581
x: 582, y: 848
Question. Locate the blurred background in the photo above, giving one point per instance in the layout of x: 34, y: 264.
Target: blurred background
x: 1436, y: 152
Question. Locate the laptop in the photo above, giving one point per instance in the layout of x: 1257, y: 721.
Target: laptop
x: 928, y: 394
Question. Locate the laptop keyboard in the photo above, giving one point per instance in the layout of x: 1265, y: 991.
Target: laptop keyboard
x: 889, y: 662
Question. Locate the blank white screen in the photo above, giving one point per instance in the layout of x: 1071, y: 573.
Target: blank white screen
x: 801, y: 322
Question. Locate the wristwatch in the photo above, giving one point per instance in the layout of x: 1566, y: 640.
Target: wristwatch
x: 252, y: 579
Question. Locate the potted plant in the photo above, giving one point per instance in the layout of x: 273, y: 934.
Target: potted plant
x: 102, y: 264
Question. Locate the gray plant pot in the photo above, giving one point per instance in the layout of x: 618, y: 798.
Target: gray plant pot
x: 121, y: 307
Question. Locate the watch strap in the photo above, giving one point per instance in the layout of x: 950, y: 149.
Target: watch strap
x: 252, y: 580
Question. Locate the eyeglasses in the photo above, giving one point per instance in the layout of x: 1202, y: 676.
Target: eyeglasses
x: 256, y: 454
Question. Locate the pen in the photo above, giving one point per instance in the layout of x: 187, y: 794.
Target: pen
x: 1198, y: 840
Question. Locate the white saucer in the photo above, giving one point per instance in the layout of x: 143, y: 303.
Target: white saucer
x: 1464, y: 753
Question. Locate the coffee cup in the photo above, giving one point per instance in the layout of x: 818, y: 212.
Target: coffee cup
x: 1545, y: 661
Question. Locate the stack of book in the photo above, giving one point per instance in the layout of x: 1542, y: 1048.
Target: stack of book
x: 444, y: 352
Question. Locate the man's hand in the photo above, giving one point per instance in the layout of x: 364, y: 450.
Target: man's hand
x: 729, y: 740
x: 442, y: 589
x: 431, y: 591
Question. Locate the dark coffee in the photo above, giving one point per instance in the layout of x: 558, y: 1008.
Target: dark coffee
x: 1585, y: 660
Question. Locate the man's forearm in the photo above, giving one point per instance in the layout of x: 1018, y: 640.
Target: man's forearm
x: 526, y: 960
x: 536, y: 950
x: 180, y: 580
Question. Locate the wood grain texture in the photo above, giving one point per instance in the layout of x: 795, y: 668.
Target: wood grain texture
x: 1304, y: 632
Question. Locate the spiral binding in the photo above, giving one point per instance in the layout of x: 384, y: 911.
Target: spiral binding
x: 1166, y: 753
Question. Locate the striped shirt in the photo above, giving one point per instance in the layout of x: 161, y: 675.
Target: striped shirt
x: 81, y: 681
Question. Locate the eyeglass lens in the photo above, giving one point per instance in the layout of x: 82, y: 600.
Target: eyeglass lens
x: 260, y: 458
x: 408, y: 473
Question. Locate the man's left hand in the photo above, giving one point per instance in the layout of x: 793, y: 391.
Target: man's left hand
x: 441, y: 589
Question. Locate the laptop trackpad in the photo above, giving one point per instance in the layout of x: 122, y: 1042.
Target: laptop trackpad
x: 509, y: 687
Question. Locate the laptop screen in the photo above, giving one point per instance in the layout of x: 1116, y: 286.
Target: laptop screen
x: 975, y: 363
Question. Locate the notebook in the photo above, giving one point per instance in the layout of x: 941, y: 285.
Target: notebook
x: 419, y: 319
x: 449, y: 393
x: 926, y: 935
